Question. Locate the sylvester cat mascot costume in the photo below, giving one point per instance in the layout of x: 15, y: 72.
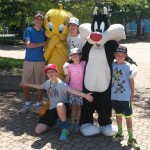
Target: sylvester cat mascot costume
x: 98, y: 51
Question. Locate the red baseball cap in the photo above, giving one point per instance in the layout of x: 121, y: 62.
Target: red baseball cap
x: 50, y: 66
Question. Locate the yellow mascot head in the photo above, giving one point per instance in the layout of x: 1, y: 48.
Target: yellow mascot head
x: 56, y: 23
x: 56, y: 26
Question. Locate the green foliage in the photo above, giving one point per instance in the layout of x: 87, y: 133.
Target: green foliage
x: 20, y: 13
x: 82, y: 9
x: 15, y: 40
x: 10, y: 63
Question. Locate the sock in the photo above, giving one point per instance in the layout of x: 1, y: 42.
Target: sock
x: 28, y: 103
x: 38, y: 103
x: 120, y: 130
x: 64, y: 124
x: 130, y: 133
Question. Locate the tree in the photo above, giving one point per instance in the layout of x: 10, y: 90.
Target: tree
x: 132, y: 10
x: 19, y: 13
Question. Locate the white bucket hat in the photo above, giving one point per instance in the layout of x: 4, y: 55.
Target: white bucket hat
x: 74, y: 21
x: 75, y: 51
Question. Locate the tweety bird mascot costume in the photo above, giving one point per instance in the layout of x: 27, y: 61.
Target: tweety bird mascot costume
x: 56, y: 25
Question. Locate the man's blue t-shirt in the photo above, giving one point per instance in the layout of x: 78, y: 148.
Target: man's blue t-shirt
x: 34, y: 36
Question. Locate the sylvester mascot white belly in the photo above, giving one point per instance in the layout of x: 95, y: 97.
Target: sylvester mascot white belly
x: 98, y: 51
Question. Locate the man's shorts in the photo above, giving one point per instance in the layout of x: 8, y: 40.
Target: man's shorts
x: 50, y: 117
x: 33, y: 72
x: 122, y: 107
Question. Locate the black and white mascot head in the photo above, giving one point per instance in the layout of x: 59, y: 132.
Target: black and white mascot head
x: 98, y: 51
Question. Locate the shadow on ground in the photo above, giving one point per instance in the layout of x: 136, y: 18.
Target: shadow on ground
x: 22, y: 126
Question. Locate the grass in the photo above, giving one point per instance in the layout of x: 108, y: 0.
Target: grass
x: 14, y: 40
x: 10, y: 63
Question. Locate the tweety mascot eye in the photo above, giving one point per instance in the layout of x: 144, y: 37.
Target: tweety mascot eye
x: 50, y: 26
x: 61, y: 28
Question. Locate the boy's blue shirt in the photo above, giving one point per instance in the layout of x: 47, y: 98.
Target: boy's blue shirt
x: 121, y: 81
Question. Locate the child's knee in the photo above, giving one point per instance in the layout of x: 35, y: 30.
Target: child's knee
x: 40, y: 128
x: 60, y: 105
x: 38, y: 131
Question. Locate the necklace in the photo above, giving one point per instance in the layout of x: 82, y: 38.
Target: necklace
x: 52, y: 89
x: 53, y: 85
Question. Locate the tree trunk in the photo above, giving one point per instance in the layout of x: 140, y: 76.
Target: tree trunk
x: 22, y: 24
x: 138, y: 31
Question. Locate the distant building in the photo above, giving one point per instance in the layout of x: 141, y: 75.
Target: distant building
x: 145, y: 28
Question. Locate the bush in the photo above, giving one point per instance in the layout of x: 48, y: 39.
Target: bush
x: 15, y: 40
x: 10, y: 63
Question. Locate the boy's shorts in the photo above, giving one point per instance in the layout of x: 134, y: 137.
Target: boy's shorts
x: 33, y: 72
x: 122, y: 107
x: 50, y: 117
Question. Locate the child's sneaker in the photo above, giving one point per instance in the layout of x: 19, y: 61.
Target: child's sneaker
x: 133, y: 143
x: 71, y: 127
x: 118, y: 137
x: 24, y: 109
x: 64, y: 135
x: 76, y: 128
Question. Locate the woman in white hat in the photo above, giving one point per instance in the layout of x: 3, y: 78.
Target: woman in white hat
x: 74, y: 39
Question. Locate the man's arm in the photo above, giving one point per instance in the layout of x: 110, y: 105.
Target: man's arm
x: 34, y: 45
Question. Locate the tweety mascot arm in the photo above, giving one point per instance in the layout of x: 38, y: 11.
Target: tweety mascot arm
x: 50, y: 46
x: 62, y: 45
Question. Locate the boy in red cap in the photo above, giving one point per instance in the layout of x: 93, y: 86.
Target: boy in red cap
x: 57, y: 93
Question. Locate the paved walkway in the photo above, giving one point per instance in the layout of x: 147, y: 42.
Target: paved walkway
x: 17, y: 131
x: 12, y: 51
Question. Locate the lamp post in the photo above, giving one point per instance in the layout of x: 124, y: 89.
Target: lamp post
x: 138, y: 30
